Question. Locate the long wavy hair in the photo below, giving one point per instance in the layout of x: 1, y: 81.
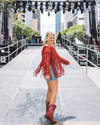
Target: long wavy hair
x: 48, y: 34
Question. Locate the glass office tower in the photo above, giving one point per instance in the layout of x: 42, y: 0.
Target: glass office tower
x: 58, y: 22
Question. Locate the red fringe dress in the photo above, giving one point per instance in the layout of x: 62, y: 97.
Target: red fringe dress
x: 51, y: 57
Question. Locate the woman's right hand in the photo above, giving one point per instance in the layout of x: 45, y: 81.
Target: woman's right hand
x: 47, y: 77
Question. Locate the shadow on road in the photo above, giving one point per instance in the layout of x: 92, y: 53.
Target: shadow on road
x: 57, y: 117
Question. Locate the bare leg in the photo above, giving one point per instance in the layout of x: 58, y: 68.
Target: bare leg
x: 48, y: 93
x: 51, y: 97
x: 52, y: 91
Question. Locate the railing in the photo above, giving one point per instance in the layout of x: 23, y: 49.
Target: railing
x: 68, y: 44
x: 18, y: 45
x: 36, y: 41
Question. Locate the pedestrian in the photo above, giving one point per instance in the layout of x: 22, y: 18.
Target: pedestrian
x: 19, y: 37
x: 33, y: 39
x: 51, y: 69
x: 65, y: 36
x: 59, y: 37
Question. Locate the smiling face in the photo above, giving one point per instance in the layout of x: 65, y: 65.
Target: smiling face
x: 51, y: 39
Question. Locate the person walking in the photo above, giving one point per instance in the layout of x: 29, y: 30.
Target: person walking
x: 65, y: 36
x: 51, y: 69
x: 33, y: 39
x: 59, y: 38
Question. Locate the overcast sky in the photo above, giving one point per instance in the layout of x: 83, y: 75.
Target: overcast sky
x: 47, y: 23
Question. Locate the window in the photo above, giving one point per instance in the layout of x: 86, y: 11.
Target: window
x: 81, y: 18
x: 23, y: 16
x: 23, y: 20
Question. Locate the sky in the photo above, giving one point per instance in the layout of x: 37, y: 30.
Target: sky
x: 47, y: 23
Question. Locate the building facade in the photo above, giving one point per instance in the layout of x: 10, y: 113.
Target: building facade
x: 28, y: 17
x: 25, y: 17
x: 62, y: 26
x: 78, y: 18
x: 17, y: 17
x: 34, y: 24
x: 68, y: 17
x: 37, y: 15
x: 58, y: 22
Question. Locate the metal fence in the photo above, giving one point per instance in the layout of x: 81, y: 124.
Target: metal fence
x: 74, y: 50
x: 10, y: 51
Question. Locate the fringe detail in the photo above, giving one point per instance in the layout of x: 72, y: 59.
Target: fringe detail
x: 46, y: 57
x: 56, y: 64
x: 37, y: 70
x: 50, y: 56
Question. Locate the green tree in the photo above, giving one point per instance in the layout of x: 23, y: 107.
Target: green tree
x: 27, y: 30
x: 20, y: 29
x: 6, y: 6
x: 17, y: 28
x: 77, y: 31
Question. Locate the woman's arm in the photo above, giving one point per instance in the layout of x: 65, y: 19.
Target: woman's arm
x: 46, y: 56
x: 64, y: 61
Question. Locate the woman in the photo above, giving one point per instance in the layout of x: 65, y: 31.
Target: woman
x: 52, y: 69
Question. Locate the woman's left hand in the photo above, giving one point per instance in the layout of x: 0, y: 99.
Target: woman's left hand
x: 47, y: 77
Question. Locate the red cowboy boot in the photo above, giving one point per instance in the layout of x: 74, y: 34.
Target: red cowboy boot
x: 50, y: 113
x: 47, y: 106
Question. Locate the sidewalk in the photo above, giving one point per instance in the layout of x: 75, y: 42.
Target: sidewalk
x: 22, y: 96
x: 94, y: 74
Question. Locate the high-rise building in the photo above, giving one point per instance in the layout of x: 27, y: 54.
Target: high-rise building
x: 58, y: 22
x: 28, y: 17
x: 62, y: 26
x: 34, y: 24
x: 37, y: 16
x: 25, y: 17
x: 78, y: 18
x: 68, y: 17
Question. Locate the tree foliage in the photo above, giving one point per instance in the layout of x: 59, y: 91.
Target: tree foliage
x: 6, y: 6
x: 20, y: 29
x: 77, y: 31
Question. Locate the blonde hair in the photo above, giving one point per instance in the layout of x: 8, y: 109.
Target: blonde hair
x: 48, y: 34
